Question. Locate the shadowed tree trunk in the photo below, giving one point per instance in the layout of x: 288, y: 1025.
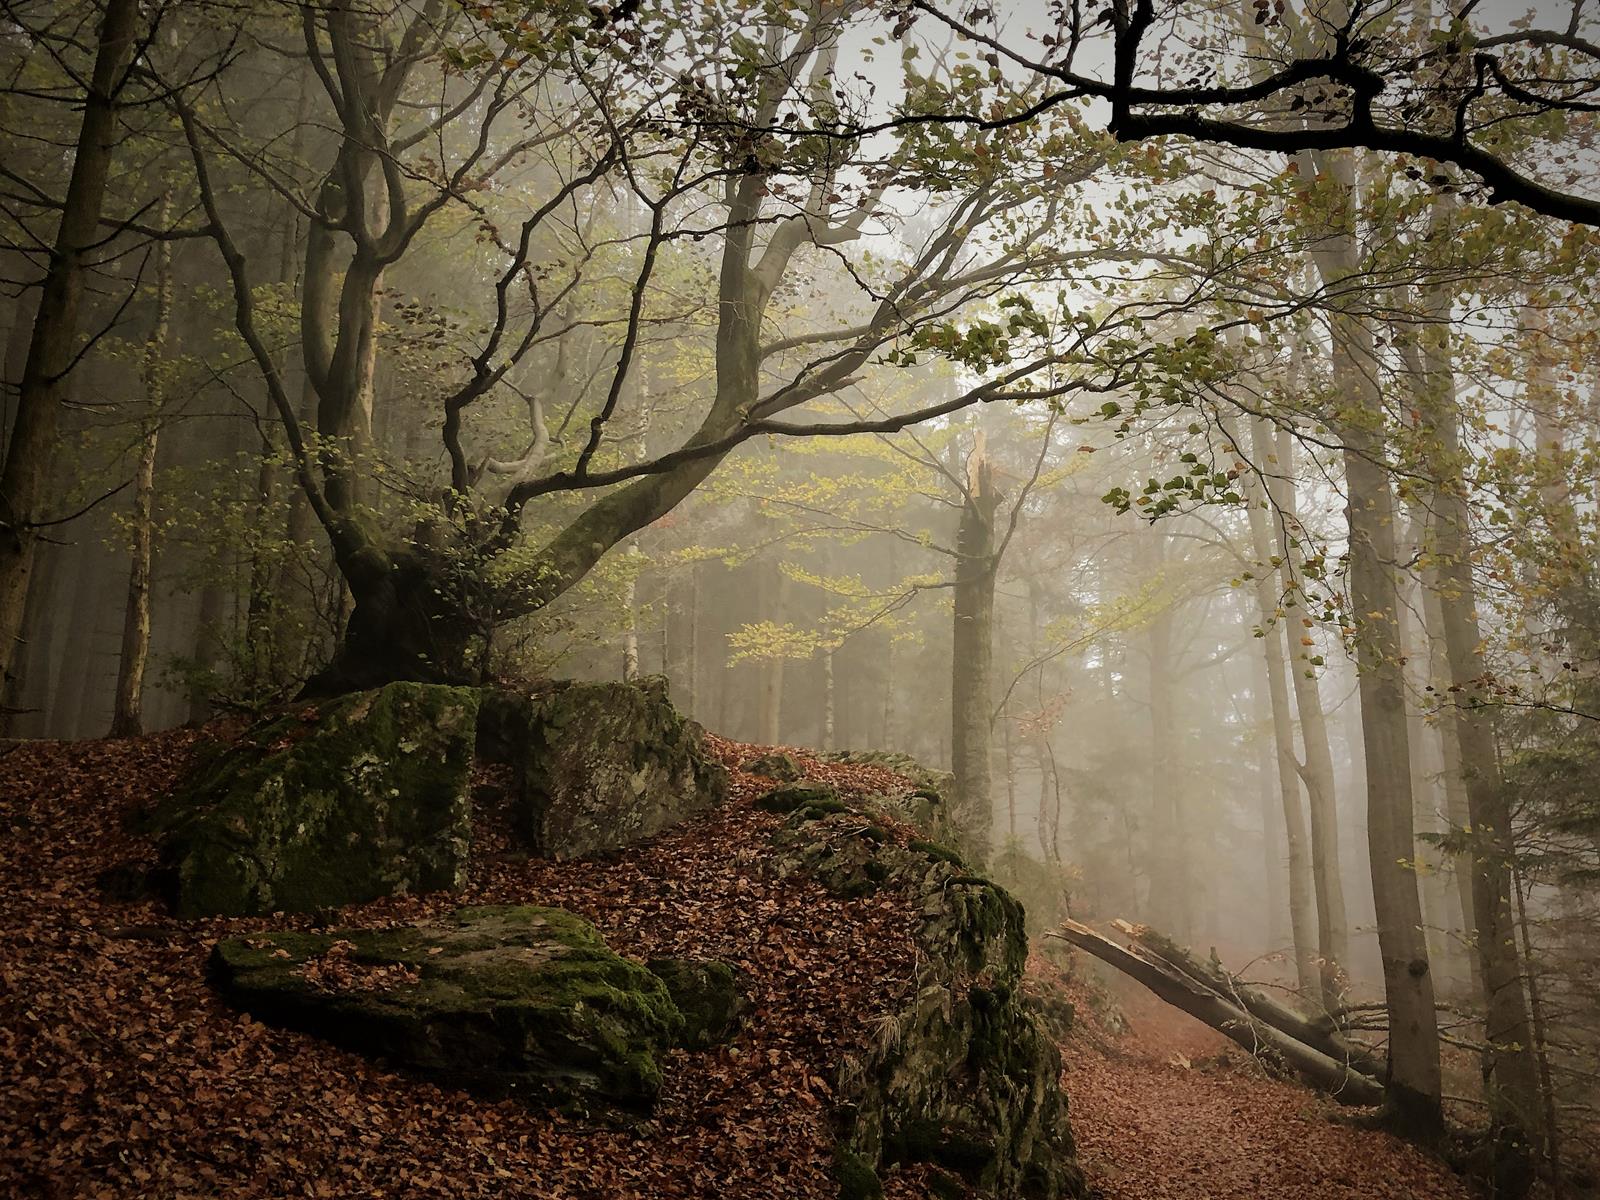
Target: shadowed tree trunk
x: 31, y: 451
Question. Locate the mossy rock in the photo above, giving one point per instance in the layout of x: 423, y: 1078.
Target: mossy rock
x: 784, y: 768
x: 507, y: 1000
x: 332, y: 804
x: 792, y: 797
x: 708, y: 994
x: 855, y: 1175
x: 928, y: 805
x: 598, y: 766
x: 969, y: 1081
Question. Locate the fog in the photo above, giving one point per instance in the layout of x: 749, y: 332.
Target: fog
x: 1223, y: 519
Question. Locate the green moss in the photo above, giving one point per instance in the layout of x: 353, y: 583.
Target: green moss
x: 706, y: 993
x: 360, y: 798
x: 945, y: 1186
x: 794, y: 796
x: 938, y: 853
x: 856, y: 1177
x: 506, y: 998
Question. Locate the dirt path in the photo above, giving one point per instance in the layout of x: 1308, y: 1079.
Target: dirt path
x: 1157, y: 1116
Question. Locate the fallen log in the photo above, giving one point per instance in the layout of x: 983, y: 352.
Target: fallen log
x: 1316, y: 1032
x: 1317, y: 1069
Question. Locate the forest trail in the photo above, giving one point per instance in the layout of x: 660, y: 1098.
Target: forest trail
x: 1171, y: 1110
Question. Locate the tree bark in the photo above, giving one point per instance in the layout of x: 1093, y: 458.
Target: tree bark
x: 972, y: 655
x: 1171, y: 897
x: 1327, y: 872
x: 1510, y: 1073
x: 1302, y: 915
x: 1326, y: 1074
x: 1413, y: 1094
x: 1320, y: 1033
x: 31, y: 451
x: 127, y: 717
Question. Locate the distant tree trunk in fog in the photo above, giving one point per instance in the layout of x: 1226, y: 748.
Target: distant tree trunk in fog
x: 1413, y: 1094
x: 1510, y: 1078
x: 1170, y: 902
x: 828, y: 701
x: 205, y: 656
x: 1302, y: 916
x: 1276, y: 930
x: 31, y: 451
x: 1327, y: 872
x: 1011, y: 784
x: 771, y: 710
x: 67, y: 694
x: 972, y: 653
x: 690, y: 683
x: 127, y: 716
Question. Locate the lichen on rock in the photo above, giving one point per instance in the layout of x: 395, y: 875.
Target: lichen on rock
x: 327, y: 805
x: 508, y: 1000
x: 597, y: 766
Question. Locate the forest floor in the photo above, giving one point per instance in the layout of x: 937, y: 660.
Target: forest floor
x: 1169, y: 1109
x: 122, y: 1075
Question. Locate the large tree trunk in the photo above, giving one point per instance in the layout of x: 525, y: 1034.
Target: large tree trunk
x: 972, y: 654
x: 127, y: 717
x: 1413, y: 1094
x: 31, y: 452
x: 1317, y: 1069
x: 1510, y: 1073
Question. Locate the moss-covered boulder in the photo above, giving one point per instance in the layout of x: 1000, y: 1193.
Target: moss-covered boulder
x: 331, y: 804
x: 928, y: 804
x: 597, y: 766
x: 508, y: 1000
x: 965, y: 1077
x: 708, y: 994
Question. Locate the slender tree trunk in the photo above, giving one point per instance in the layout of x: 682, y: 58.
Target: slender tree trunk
x: 31, y: 451
x: 1302, y: 915
x: 630, y: 616
x: 1413, y: 1093
x: 772, y: 669
x: 1327, y: 871
x: 827, y: 700
x: 1171, y: 898
x: 972, y: 655
x: 1273, y: 840
x: 1454, y: 786
x: 127, y: 717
